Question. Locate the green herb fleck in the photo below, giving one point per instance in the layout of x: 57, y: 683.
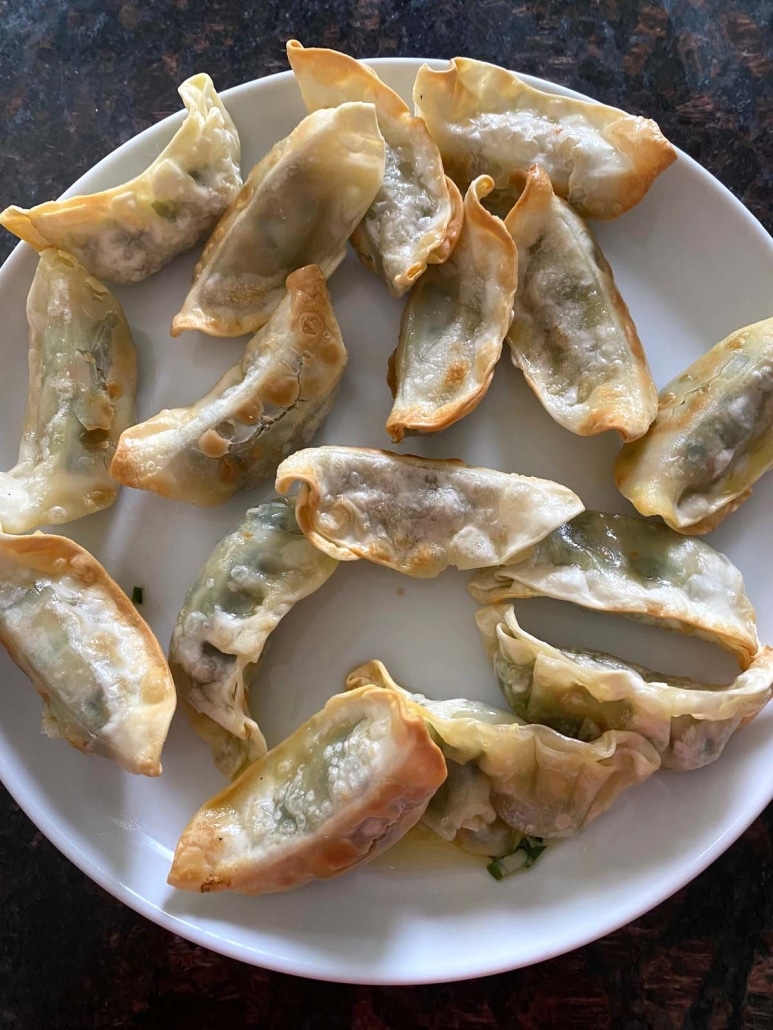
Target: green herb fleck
x: 164, y: 209
x: 137, y: 595
x: 523, y: 857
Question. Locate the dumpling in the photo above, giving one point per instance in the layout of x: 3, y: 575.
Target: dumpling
x: 104, y: 681
x: 528, y: 779
x: 298, y: 207
x: 124, y: 234
x: 419, y: 515
x: 572, y: 334
x: 341, y: 789
x: 260, y: 410
x: 486, y: 121
x: 83, y: 380
x: 585, y: 693
x: 413, y: 218
x: 614, y: 563
x: 250, y: 581
x: 712, y: 438
x: 454, y: 324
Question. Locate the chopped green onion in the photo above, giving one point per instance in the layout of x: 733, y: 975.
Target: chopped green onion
x: 137, y: 593
x: 507, y: 864
x: 533, y: 847
x: 525, y: 855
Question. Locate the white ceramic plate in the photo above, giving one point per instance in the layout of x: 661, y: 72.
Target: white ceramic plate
x: 693, y: 265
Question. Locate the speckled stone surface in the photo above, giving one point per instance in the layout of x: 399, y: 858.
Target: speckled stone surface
x: 79, y: 78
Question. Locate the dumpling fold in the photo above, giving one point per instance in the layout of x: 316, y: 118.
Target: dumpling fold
x: 263, y: 408
x: 572, y: 334
x: 250, y: 581
x: 127, y: 233
x: 341, y: 789
x: 712, y: 438
x: 487, y: 121
x: 416, y: 215
x: 298, y: 206
x: 585, y: 693
x: 82, y: 386
x: 454, y: 324
x: 507, y: 779
x: 627, y: 566
x: 103, y: 677
x: 418, y: 515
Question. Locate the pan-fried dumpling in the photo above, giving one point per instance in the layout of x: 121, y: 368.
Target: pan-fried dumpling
x: 585, y: 693
x: 104, y: 681
x: 454, y: 324
x: 527, y: 779
x: 572, y: 334
x: 250, y: 581
x: 413, y: 218
x: 340, y: 790
x: 711, y: 439
x: 83, y: 379
x: 299, y: 206
x: 124, y: 234
x: 419, y: 515
x: 644, y: 570
x: 259, y: 411
x: 486, y: 121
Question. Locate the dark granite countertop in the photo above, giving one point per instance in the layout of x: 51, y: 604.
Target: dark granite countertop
x: 78, y: 78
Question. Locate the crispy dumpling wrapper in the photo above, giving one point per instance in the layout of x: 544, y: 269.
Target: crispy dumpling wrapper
x: 585, y: 693
x: 528, y: 779
x: 250, y: 581
x: 413, y: 219
x: 486, y: 121
x: 418, y: 515
x: 712, y: 438
x: 82, y: 386
x: 344, y: 787
x: 270, y: 403
x: 103, y: 677
x: 572, y: 334
x: 444, y: 250
x: 299, y: 206
x: 630, y: 567
x: 454, y: 324
x: 126, y: 233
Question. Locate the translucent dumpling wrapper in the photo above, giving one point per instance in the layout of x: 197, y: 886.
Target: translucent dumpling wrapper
x: 418, y: 515
x: 585, y: 693
x: 487, y: 121
x: 462, y: 813
x: 126, y: 233
x: 104, y: 680
x: 414, y: 218
x: 263, y: 408
x: 454, y: 324
x: 572, y: 334
x: 643, y: 570
x: 299, y: 206
x: 82, y: 386
x: 250, y: 581
x: 712, y: 438
x: 344, y: 787
x: 506, y: 779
